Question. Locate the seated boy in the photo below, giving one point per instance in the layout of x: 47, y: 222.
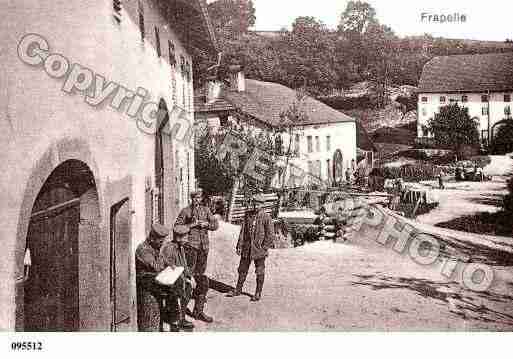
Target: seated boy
x: 172, y: 255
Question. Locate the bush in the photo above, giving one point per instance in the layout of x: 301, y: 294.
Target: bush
x: 302, y: 233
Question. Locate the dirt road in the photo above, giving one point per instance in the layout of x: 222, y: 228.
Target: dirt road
x: 353, y: 286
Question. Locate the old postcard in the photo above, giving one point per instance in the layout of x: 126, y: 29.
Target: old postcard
x: 330, y: 166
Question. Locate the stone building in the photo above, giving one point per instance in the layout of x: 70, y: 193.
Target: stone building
x: 89, y: 96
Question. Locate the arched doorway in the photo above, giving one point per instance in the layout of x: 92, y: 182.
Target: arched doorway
x: 65, y: 212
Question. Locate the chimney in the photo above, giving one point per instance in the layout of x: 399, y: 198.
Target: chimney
x: 237, y: 78
x: 213, y: 90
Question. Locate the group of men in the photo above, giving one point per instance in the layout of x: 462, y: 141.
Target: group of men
x: 188, y: 247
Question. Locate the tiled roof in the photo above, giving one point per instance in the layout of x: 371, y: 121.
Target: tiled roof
x: 218, y: 105
x: 265, y: 101
x: 468, y: 73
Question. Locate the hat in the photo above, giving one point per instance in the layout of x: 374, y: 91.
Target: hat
x: 159, y: 231
x: 198, y: 192
x: 259, y: 198
x: 180, y: 229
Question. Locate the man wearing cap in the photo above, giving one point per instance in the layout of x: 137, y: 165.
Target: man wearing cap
x: 195, y: 221
x: 148, y: 264
x: 255, y: 238
x: 172, y: 255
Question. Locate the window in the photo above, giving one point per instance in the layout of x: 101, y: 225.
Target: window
x: 116, y: 5
x: 484, y: 98
x: 160, y: 163
x: 120, y: 264
x: 507, y: 111
x: 309, y: 167
x: 328, y: 168
x: 296, y: 144
x: 424, y: 99
x: 318, y: 170
x: 425, y: 131
x: 328, y: 143
x: 182, y: 70
x: 442, y: 99
x: 182, y: 65
x: 172, y: 54
x: 157, y: 41
x: 309, y: 144
x: 424, y: 112
x: 484, y: 111
x: 317, y: 144
x: 141, y: 20
x: 507, y: 97
x: 188, y: 71
x: 484, y: 134
x: 464, y: 98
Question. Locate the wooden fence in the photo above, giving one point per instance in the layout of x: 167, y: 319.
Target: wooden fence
x: 239, y: 205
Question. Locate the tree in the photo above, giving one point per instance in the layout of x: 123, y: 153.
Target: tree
x: 311, y: 60
x: 357, y: 16
x: 453, y: 128
x: 290, y: 119
x: 231, y: 18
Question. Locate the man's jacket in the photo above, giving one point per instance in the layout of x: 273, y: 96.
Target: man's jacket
x: 148, y: 264
x: 256, y: 235
x: 197, y: 237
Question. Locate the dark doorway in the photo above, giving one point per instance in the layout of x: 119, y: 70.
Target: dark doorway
x: 51, y: 290
x: 51, y: 287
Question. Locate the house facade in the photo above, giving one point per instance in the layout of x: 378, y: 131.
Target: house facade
x: 90, y: 93
x: 481, y: 83
x: 258, y: 106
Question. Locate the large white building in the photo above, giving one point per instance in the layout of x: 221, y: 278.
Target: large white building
x: 88, y: 90
x: 482, y: 83
x: 262, y: 104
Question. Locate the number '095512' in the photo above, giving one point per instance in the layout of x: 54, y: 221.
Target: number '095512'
x: 26, y: 346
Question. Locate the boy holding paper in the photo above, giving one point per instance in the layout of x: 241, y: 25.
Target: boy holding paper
x: 173, y: 256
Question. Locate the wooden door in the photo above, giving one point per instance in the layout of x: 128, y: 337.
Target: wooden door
x: 120, y: 266
x: 51, y: 291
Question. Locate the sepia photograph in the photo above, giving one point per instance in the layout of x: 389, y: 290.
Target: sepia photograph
x: 243, y: 166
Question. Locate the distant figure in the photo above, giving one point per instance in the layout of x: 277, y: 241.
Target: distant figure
x: 255, y: 239
x: 341, y: 220
x: 478, y: 174
x: 320, y: 221
x: 441, y: 179
x: 348, y: 175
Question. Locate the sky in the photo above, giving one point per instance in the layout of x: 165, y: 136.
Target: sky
x: 486, y: 20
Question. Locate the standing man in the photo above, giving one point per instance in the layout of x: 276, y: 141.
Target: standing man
x: 198, y: 220
x: 255, y: 238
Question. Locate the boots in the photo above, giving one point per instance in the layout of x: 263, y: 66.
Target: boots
x: 184, y: 323
x: 198, y: 310
x: 238, y: 288
x: 259, y: 285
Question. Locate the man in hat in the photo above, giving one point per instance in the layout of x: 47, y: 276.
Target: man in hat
x: 172, y: 255
x: 195, y: 221
x: 255, y: 239
x: 148, y: 264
